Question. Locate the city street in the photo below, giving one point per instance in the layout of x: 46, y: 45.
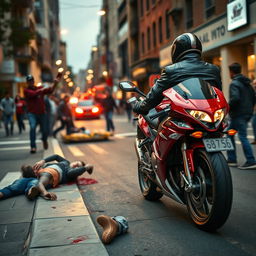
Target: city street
x: 164, y: 227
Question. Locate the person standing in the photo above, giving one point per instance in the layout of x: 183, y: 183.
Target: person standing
x: 36, y: 109
x: 65, y: 116
x: 8, y: 108
x: 241, y: 102
x: 254, y: 115
x: 108, y: 105
x: 20, y: 112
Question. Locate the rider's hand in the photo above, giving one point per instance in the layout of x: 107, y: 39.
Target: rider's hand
x: 137, y: 108
x: 38, y: 165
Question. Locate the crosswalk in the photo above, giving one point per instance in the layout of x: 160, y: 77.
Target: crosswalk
x: 25, y: 145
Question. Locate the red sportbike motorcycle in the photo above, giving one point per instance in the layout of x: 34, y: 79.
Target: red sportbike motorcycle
x: 179, y: 146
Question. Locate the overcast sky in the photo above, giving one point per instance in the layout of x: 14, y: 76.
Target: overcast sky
x: 81, y: 21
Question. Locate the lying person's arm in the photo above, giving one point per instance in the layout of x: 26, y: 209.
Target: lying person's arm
x: 51, y: 158
x: 43, y: 181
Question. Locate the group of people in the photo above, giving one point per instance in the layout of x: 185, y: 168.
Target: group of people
x: 8, y: 108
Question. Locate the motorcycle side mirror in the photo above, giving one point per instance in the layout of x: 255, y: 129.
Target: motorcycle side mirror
x: 127, y: 86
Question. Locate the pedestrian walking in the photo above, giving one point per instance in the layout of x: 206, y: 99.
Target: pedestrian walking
x: 241, y: 101
x: 109, y: 104
x: 51, y: 112
x: 20, y: 112
x: 36, y: 109
x: 64, y: 114
x: 254, y: 115
x: 8, y: 110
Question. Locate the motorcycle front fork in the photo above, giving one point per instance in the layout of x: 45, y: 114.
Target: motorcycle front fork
x: 185, y: 176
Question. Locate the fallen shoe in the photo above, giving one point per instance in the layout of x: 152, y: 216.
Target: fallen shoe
x: 89, y: 168
x: 110, y: 228
x: 32, y: 193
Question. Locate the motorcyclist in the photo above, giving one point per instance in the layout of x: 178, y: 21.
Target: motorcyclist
x: 186, y: 52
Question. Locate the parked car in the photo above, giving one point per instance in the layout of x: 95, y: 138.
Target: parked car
x: 87, y: 109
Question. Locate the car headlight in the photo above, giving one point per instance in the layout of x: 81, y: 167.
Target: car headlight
x: 200, y: 115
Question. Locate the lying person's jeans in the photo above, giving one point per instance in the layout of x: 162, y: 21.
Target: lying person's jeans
x: 19, y: 187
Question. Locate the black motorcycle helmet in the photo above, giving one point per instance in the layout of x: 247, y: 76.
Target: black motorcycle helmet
x: 29, y: 78
x: 184, y: 44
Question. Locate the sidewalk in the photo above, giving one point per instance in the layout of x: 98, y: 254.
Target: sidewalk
x: 62, y: 227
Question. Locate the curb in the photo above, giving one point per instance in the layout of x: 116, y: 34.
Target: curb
x: 63, y: 227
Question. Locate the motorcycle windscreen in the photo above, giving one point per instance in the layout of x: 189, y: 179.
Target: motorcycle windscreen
x: 195, y: 88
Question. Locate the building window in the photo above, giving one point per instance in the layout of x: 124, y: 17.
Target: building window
x: 141, y: 8
x: 160, y: 32
x: 167, y: 25
x: 148, y: 38
x: 142, y: 43
x: 189, y: 13
x: 209, y: 8
x: 147, y: 4
x: 154, y: 34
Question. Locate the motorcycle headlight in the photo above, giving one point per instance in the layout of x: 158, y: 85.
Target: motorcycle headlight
x: 200, y: 115
x: 219, y: 115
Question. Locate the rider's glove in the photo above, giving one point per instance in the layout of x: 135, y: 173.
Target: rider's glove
x: 139, y: 108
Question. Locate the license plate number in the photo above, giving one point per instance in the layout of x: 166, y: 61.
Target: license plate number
x: 218, y: 144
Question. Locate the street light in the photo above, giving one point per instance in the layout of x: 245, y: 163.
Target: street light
x: 105, y: 73
x: 70, y: 84
x: 60, y: 70
x: 63, y: 31
x: 101, y: 12
x: 94, y: 49
x: 58, y: 62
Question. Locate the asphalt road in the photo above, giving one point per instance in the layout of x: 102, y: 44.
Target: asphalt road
x: 164, y: 227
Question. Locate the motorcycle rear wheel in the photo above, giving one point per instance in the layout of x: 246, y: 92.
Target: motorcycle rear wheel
x: 209, y: 204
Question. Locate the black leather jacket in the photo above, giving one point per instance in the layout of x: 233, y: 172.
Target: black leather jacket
x: 190, y: 66
x: 241, y: 97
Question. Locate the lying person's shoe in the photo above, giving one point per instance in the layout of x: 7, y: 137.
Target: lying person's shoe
x: 89, y: 168
x: 110, y: 228
x: 32, y: 193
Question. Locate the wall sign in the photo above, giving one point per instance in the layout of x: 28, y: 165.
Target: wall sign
x: 236, y: 14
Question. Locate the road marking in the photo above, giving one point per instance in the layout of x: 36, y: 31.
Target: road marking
x: 17, y: 142
x: 75, y: 151
x: 97, y: 149
x: 14, y: 148
x: 9, y: 178
x: 127, y: 134
x: 56, y: 148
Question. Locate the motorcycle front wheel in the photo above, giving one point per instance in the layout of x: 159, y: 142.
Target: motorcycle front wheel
x: 209, y: 203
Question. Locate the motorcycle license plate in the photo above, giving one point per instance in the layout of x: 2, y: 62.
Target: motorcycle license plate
x: 218, y: 144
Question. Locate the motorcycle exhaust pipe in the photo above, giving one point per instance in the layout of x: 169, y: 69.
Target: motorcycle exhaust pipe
x: 138, y: 150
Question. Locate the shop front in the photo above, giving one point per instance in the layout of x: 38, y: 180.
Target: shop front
x: 142, y: 70
x: 225, y: 41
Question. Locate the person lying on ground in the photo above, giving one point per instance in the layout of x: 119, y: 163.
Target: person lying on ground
x: 27, y: 185
x: 51, y: 174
